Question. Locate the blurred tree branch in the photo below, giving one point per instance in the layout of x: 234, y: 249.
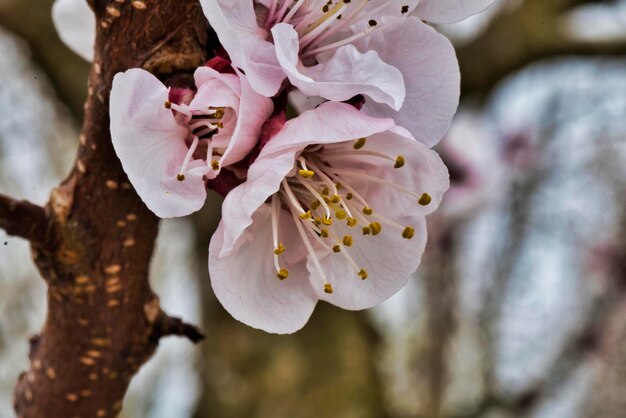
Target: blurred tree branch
x: 518, y: 37
x: 23, y: 219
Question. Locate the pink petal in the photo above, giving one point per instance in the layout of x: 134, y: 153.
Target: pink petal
x: 449, y: 11
x: 246, y: 283
x: 346, y: 74
x: 329, y: 123
x: 254, y: 110
x: 431, y: 74
x: 235, y: 23
x: 423, y: 172
x: 76, y: 25
x: 389, y: 260
x: 150, y: 145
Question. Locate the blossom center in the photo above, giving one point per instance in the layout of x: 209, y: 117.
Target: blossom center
x: 325, y: 25
x: 326, y: 200
x: 202, y: 124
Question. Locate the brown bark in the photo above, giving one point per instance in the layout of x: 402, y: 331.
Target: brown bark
x: 103, y: 319
x: 23, y: 219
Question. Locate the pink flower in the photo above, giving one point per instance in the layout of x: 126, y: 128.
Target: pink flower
x: 341, y: 49
x: 333, y: 209
x: 76, y: 25
x: 169, y: 149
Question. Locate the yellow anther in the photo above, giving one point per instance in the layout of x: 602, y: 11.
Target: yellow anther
x: 316, y: 204
x: 341, y: 214
x: 359, y: 143
x: 400, y: 161
x: 317, y: 220
x: 347, y: 241
x: 376, y: 228
x: 425, y: 199
x: 368, y: 211
x: 338, y: 186
x: 280, y: 249
x: 335, y: 199
x: 180, y: 177
x: 408, y: 233
x: 324, y: 233
x: 168, y: 104
x: 326, y: 200
x: 219, y: 125
x: 307, y: 174
x: 306, y: 215
x: 282, y: 274
x: 352, y: 222
x: 219, y: 113
x: 328, y: 289
x: 327, y: 221
x: 215, y: 165
x: 325, y: 191
x: 363, y: 274
x: 349, y: 196
x: 336, y: 248
x: 367, y: 230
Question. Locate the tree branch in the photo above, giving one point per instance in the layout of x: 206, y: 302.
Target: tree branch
x: 23, y: 219
x: 520, y: 37
x: 103, y: 321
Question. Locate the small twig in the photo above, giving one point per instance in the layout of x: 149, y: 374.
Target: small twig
x: 175, y: 326
x: 23, y: 219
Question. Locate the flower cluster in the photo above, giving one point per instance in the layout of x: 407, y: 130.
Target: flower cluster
x: 328, y: 204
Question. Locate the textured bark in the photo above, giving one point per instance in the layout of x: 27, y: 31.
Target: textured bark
x: 23, y: 219
x: 103, y: 320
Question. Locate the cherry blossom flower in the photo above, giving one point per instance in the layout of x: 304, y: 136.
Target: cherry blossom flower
x: 339, y: 49
x: 76, y: 25
x: 168, y: 148
x: 333, y: 209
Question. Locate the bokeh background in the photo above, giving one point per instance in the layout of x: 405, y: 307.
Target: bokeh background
x: 519, y: 308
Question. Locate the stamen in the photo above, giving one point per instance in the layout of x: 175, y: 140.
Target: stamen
x: 307, y: 174
x: 360, y: 143
x: 376, y: 228
x: 425, y: 199
x: 311, y: 251
x: 282, y: 274
x: 181, y: 174
x: 280, y: 249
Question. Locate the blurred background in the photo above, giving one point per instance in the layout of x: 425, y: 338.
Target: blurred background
x: 519, y: 308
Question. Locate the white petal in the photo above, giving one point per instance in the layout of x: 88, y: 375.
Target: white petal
x: 423, y: 172
x: 449, y: 11
x: 235, y: 23
x: 254, y: 110
x: 346, y: 74
x: 150, y: 145
x: 76, y: 25
x: 388, y: 259
x: 431, y: 74
x: 247, y: 286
